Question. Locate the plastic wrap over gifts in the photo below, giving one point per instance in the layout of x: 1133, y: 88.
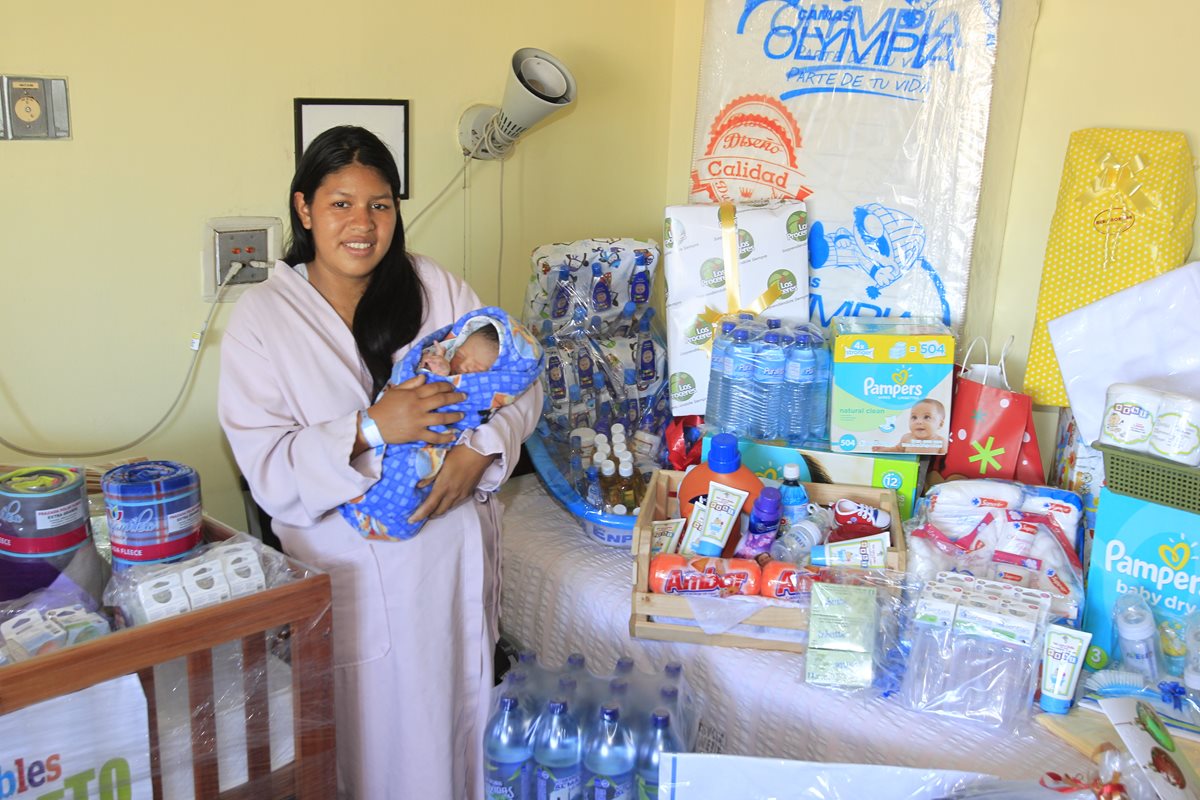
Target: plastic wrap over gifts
x: 875, y: 113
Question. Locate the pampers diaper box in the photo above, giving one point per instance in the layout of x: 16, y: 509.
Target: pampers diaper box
x: 1154, y: 550
x: 766, y: 245
x: 891, y: 385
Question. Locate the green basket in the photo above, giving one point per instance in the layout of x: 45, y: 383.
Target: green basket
x: 1151, y: 478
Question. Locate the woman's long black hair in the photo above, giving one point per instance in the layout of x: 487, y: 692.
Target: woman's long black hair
x: 391, y: 309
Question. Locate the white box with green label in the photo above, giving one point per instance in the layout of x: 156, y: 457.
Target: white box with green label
x: 891, y: 386
x: 772, y: 251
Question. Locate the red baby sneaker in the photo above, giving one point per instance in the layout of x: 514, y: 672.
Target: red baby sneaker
x: 858, y: 517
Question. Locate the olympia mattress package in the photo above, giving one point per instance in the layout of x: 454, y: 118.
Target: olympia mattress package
x: 875, y: 114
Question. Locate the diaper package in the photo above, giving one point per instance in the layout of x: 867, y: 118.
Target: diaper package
x: 1151, y: 549
x: 1002, y: 531
x: 891, y: 386
x: 754, y: 259
x: 875, y: 113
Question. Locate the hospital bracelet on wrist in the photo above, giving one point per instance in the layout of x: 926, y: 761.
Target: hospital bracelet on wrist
x: 370, y: 431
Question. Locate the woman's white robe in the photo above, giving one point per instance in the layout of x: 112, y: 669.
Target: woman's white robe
x: 415, y: 621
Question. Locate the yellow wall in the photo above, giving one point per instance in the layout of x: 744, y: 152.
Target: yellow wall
x: 183, y: 111
x: 1095, y: 63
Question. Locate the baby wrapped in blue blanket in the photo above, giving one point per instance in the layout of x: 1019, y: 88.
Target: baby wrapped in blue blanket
x: 487, y: 357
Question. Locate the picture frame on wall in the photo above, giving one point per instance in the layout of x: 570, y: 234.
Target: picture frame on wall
x: 387, y: 119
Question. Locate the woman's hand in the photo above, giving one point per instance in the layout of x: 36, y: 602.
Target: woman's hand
x: 456, y: 481
x: 407, y: 410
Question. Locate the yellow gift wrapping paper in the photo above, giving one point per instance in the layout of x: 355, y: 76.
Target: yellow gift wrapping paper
x: 1125, y: 210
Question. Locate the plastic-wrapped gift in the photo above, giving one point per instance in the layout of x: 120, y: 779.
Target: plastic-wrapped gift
x: 1125, y: 209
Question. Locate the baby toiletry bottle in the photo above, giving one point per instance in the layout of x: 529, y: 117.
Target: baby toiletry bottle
x: 1191, y: 669
x: 764, y: 525
x: 1138, y: 634
x: 724, y: 466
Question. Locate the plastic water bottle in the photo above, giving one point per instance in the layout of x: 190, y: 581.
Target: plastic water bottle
x: 508, y: 772
x: 801, y: 365
x: 557, y: 755
x: 741, y: 382
x: 716, y: 410
x: 659, y: 739
x: 818, y: 415
x: 576, y: 665
x: 609, y: 756
x: 768, y: 379
x: 624, y: 666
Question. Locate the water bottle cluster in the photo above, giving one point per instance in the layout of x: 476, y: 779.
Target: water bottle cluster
x: 769, y: 381
x: 567, y: 733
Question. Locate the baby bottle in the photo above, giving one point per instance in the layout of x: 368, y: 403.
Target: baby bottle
x: 1138, y: 635
x: 1191, y: 669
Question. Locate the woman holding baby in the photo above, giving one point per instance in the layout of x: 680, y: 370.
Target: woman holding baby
x: 304, y: 366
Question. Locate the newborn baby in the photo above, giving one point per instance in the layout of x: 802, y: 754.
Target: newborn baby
x: 491, y: 360
x: 476, y: 353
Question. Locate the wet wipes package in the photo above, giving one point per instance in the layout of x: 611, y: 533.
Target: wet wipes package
x: 891, y: 386
x: 749, y: 257
x: 1147, y: 548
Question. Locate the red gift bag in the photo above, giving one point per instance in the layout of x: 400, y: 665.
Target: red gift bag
x: 991, y: 426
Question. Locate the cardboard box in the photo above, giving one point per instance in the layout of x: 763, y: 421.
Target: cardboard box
x: 891, y: 386
x: 1152, y: 549
x: 898, y: 472
x: 1079, y: 468
x: 772, y: 255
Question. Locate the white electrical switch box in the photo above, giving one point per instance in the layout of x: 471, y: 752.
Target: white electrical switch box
x: 34, y: 108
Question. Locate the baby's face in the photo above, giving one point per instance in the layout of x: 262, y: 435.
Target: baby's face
x: 924, y: 421
x: 476, y: 354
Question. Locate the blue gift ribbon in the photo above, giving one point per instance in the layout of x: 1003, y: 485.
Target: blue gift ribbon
x: 1173, y: 694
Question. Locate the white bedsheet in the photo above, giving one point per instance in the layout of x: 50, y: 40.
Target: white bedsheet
x: 563, y: 592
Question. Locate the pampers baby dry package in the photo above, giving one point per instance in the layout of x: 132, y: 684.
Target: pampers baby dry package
x: 1154, y: 550
x: 891, y: 386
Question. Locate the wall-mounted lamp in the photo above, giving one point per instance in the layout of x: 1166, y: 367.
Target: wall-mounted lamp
x: 538, y: 85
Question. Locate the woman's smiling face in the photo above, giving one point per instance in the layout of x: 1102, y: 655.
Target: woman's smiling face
x: 352, y: 217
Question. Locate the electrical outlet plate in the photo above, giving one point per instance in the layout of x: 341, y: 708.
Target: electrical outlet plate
x: 244, y: 239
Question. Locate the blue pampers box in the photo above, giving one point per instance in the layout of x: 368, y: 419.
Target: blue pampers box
x: 1153, y: 549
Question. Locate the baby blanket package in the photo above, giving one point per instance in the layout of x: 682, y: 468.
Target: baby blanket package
x: 875, y: 113
x: 722, y: 259
x: 1148, y: 548
x: 891, y: 386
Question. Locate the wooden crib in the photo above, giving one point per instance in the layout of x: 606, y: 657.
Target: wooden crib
x: 302, y: 607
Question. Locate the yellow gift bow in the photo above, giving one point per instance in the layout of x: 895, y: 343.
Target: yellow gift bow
x: 727, y: 216
x: 1115, y: 176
